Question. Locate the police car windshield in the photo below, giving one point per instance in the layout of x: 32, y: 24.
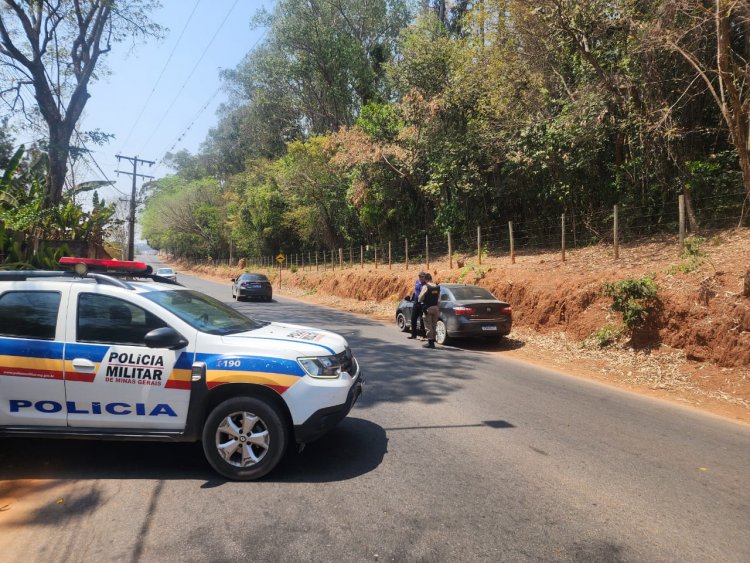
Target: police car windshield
x: 203, y: 312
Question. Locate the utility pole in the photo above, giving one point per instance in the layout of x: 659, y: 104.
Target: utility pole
x: 131, y: 221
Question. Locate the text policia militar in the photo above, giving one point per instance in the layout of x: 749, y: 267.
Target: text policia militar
x: 144, y: 369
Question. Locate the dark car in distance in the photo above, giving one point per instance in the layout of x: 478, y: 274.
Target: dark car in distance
x: 465, y: 311
x: 251, y: 286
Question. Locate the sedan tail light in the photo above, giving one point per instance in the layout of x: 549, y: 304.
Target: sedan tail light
x: 463, y: 310
x: 506, y: 310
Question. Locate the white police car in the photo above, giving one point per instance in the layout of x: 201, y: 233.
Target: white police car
x: 99, y: 355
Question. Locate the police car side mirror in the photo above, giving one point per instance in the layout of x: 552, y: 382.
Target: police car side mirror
x: 408, y: 297
x: 165, y: 337
x: 234, y: 279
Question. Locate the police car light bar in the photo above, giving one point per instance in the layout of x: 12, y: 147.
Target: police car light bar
x: 104, y: 265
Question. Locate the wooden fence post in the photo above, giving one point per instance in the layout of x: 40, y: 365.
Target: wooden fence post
x: 617, y: 232
x: 389, y: 255
x: 563, y: 236
x: 376, y: 256
x: 333, y: 261
x: 450, y: 251
x: 479, y: 244
x: 406, y: 252
x: 427, y: 250
x: 681, y: 203
x: 362, y: 256
x: 351, y: 259
x: 512, y: 249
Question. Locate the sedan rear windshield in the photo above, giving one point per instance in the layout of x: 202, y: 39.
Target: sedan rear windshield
x: 253, y: 277
x: 203, y: 312
x: 470, y: 292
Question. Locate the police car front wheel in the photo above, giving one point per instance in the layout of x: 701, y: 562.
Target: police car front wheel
x: 244, y: 438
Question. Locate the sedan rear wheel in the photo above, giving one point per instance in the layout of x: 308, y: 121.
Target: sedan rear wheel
x: 441, y: 333
x: 401, y: 322
x: 244, y: 438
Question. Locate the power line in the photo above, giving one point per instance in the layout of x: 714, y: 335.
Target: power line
x: 203, y: 54
x: 90, y: 155
x: 158, y: 79
x: 192, y: 122
x: 200, y: 111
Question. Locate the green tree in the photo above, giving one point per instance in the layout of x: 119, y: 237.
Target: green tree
x: 55, y: 48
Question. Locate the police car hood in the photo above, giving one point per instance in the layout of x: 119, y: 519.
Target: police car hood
x: 306, y: 340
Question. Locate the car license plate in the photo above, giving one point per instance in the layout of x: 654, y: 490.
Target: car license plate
x: 489, y: 327
x: 254, y: 285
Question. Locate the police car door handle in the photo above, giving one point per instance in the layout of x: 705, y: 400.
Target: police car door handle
x: 82, y: 364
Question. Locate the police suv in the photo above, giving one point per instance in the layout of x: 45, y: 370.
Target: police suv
x: 121, y: 353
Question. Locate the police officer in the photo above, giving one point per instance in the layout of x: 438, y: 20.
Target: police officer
x: 428, y: 297
x: 416, y: 309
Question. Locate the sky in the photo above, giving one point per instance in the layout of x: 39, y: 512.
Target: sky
x: 163, y: 95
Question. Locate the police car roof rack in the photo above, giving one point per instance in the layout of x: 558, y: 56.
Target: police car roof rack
x: 102, y: 271
x: 107, y: 270
x: 23, y: 275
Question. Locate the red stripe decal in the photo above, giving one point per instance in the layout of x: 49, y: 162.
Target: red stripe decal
x: 30, y: 372
x: 78, y: 376
x: 177, y: 384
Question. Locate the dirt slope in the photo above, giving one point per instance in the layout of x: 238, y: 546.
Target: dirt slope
x: 696, y: 348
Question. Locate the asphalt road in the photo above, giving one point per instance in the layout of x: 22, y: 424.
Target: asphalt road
x: 451, y: 455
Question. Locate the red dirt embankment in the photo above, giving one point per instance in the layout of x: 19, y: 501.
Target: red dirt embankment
x: 698, y: 338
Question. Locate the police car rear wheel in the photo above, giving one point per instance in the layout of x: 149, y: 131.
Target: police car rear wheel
x: 244, y: 438
x: 401, y: 322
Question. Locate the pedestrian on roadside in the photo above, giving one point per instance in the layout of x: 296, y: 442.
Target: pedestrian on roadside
x: 428, y: 297
x: 416, y: 309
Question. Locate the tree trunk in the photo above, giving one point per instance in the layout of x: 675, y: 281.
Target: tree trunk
x: 59, y: 148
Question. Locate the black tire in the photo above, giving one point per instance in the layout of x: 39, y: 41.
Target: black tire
x: 441, y: 333
x: 233, y: 294
x: 269, y: 432
x: 401, y: 322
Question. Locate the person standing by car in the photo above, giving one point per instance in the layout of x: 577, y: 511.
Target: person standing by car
x: 428, y: 297
x: 416, y: 310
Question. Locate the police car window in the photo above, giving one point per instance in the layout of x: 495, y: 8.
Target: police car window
x: 203, y: 312
x: 444, y: 295
x: 109, y: 320
x: 29, y: 314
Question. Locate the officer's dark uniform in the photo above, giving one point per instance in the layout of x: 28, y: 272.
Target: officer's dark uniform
x: 416, y: 310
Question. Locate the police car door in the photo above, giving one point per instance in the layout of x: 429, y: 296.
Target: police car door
x: 112, y: 379
x: 32, y: 392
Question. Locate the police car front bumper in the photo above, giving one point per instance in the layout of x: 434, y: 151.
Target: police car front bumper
x: 321, y: 421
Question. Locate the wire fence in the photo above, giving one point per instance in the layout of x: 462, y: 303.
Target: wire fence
x: 622, y: 225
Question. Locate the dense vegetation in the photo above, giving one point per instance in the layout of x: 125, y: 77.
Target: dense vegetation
x: 367, y: 121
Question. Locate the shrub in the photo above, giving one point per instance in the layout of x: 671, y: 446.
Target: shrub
x: 606, y: 335
x: 634, y: 298
x: 692, y: 256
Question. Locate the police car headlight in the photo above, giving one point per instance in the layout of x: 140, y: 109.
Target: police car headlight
x: 321, y: 366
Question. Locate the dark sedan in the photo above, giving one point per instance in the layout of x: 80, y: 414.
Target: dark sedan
x: 251, y: 286
x: 465, y: 310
